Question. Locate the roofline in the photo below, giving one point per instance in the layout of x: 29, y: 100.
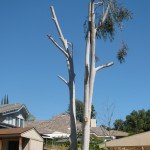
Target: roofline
x: 20, y: 134
x: 124, y: 138
x: 102, y: 136
x: 12, y: 111
x: 10, y: 136
x: 135, y: 135
x: 32, y: 128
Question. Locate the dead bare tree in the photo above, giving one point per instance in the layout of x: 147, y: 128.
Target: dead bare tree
x: 111, y: 14
x: 106, y: 118
x: 67, y: 51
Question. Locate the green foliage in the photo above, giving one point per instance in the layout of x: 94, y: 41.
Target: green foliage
x: 136, y: 122
x: 93, y: 112
x: 5, y: 100
x: 106, y: 30
x: 122, y: 53
x: 80, y: 111
x: 120, y: 13
x: 57, y: 143
x: 31, y: 117
x: 63, y: 144
x: 119, y: 124
x: 95, y: 142
x: 116, y: 16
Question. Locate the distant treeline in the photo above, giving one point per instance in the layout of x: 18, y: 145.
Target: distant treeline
x: 135, y: 122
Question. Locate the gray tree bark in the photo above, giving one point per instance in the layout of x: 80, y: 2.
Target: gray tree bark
x: 68, y: 53
x: 86, y: 121
x: 90, y: 73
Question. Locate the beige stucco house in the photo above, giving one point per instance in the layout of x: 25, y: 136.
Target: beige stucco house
x: 20, y: 139
x: 135, y: 142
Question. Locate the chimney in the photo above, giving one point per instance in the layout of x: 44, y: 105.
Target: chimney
x: 93, y: 122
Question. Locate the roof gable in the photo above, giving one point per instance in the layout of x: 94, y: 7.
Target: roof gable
x: 13, y: 108
x: 32, y: 134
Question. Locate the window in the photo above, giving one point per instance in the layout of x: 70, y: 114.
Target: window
x: 17, y: 122
x: 10, y: 120
x: 21, y: 122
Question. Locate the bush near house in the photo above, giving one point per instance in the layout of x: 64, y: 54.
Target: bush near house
x: 59, y: 144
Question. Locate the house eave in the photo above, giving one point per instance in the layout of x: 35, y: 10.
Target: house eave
x: 15, y: 111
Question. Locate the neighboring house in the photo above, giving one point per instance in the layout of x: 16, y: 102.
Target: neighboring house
x: 13, y: 115
x: 104, y: 133
x: 109, y: 135
x: 139, y: 141
x: 20, y: 139
x: 59, y: 127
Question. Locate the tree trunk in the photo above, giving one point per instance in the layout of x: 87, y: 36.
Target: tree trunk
x: 71, y: 83
x: 92, y: 56
x: 89, y: 77
x: 73, y: 136
x: 86, y: 121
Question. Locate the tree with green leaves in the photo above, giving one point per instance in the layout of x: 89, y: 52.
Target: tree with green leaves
x: 5, y: 100
x: 80, y: 111
x: 135, y: 122
x: 119, y: 125
x: 104, y: 18
x: 31, y: 117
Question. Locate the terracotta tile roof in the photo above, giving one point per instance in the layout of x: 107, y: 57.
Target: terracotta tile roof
x: 60, y: 123
x: 13, y: 131
x: 9, y: 107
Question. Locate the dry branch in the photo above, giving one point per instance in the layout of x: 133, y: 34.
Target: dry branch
x: 104, y: 66
x: 64, y: 80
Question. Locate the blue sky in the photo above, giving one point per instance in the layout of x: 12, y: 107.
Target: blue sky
x: 29, y: 63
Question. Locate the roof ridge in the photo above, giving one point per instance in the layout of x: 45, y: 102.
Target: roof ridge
x: 11, y: 107
x: 10, y: 104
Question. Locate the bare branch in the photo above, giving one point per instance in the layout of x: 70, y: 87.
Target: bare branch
x: 56, y: 22
x: 54, y: 17
x: 98, y: 3
x: 104, y: 66
x: 65, y: 81
x: 57, y: 45
x: 106, y: 13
